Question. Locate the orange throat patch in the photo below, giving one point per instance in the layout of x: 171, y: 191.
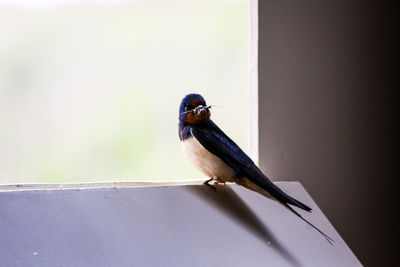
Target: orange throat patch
x: 197, y: 118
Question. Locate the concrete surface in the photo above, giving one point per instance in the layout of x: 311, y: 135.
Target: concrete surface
x: 163, y: 226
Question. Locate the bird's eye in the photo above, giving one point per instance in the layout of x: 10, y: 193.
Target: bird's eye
x: 188, y: 107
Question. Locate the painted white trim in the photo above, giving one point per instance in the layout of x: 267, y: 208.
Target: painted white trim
x: 90, y: 185
x: 253, y: 80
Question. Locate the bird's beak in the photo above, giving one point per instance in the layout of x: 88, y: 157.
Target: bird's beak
x: 201, y: 110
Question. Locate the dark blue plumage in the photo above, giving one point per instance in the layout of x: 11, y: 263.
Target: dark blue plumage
x: 214, y: 153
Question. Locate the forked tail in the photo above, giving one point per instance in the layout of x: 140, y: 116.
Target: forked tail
x: 329, y: 239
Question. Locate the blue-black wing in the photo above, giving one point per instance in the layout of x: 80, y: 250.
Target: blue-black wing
x: 218, y: 143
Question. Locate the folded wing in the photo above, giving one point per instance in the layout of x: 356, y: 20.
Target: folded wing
x: 218, y: 143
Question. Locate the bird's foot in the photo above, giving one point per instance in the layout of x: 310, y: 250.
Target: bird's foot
x: 207, y: 183
x: 219, y: 181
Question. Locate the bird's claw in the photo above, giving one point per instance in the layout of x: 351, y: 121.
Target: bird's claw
x: 207, y: 183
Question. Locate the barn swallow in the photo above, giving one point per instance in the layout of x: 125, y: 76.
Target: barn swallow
x: 217, y: 156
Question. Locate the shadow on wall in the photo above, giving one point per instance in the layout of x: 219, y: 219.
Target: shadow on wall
x: 230, y: 204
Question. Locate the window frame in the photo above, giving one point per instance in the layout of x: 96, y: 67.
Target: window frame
x: 253, y: 123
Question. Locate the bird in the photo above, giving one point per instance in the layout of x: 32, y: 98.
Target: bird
x: 210, y: 150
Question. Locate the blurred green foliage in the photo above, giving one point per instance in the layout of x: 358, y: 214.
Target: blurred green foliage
x: 90, y: 91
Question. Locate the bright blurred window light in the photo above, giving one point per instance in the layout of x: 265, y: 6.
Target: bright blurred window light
x: 90, y: 89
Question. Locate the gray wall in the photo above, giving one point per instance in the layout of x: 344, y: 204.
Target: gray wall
x: 162, y: 226
x: 323, y: 74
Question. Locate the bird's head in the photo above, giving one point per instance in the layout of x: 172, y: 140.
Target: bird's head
x: 193, y: 110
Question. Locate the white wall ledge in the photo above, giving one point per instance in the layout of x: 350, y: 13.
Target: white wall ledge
x: 187, y: 225
x: 92, y: 185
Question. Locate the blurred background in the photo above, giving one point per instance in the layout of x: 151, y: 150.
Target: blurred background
x: 89, y: 90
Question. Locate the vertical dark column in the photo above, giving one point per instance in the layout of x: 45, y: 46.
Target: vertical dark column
x: 325, y: 118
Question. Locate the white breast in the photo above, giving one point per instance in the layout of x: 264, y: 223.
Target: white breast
x: 205, y: 161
